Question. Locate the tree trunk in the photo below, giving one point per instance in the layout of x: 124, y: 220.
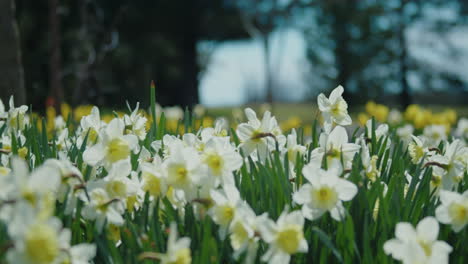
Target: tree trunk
x: 340, y: 13
x: 405, y: 94
x: 55, y: 56
x: 11, y: 69
x: 268, y: 77
x: 190, y: 63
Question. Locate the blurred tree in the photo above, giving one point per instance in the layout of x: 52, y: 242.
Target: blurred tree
x: 111, y: 49
x: 260, y: 19
x: 55, y: 64
x: 382, y: 47
x: 11, y: 69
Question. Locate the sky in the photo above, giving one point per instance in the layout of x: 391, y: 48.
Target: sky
x: 236, y: 69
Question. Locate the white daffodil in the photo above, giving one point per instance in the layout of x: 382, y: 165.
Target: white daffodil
x: 112, y: 146
x: 91, y: 125
x: 336, y: 148
x: 16, y: 116
x: 178, y: 249
x: 404, y: 133
x: 41, y: 241
x: 324, y: 192
x: 371, y: 170
x: 243, y: 230
x: 334, y: 109
x: 222, y: 160
x: 220, y: 130
x: 184, y: 170
x: 285, y: 237
x: 448, y: 166
x: 173, y: 112
x: 435, y: 134
x: 192, y: 140
x: 225, y: 207
x: 103, y: 209
x: 117, y: 183
x: 256, y: 135
x: 418, y: 149
x: 135, y: 124
x: 394, y: 117
x: 453, y: 210
x: 71, y: 181
x: 293, y: 148
x: 461, y: 130
x: 37, y: 188
x: 154, y: 178
x: 380, y: 131
x: 3, y: 114
x: 418, y: 245
x: 79, y: 254
x: 38, y: 243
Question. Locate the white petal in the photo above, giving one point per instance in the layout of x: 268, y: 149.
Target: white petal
x: 338, y: 137
x: 303, y: 195
x: 442, y: 214
x: 428, y: 229
x: 335, y: 95
x: 94, y: 154
x: 405, y: 231
x: 346, y: 190
x: 338, y: 213
x: 323, y: 102
x: 115, y: 128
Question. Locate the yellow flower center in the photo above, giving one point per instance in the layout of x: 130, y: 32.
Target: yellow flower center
x: 215, y: 162
x: 426, y: 246
x: 225, y: 214
x: 239, y: 235
x: 41, y: 244
x: 116, y: 189
x: 117, y: 149
x: 29, y: 196
x: 22, y: 152
x: 325, y: 197
x: 256, y: 136
x: 458, y: 212
x: 182, y: 257
x: 113, y: 233
x: 92, y: 135
x: 178, y: 175
x: 290, y: 238
x: 416, y: 152
x: 152, y: 184
x: 339, y: 108
x: 4, y: 171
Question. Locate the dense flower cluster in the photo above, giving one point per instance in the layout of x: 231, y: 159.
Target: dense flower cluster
x: 63, y: 194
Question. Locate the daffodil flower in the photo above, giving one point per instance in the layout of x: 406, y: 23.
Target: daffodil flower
x: 225, y: 206
x: 418, y: 245
x: 256, y: 135
x: 285, y: 237
x: 453, y: 210
x: 112, y: 146
x: 178, y: 249
x: 325, y: 192
x: 334, y: 109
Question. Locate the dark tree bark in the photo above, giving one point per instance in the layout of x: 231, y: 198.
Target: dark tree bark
x: 55, y: 68
x: 189, y: 51
x: 405, y: 93
x: 11, y: 69
x: 341, y: 11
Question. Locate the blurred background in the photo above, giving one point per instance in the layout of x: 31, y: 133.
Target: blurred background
x: 224, y: 53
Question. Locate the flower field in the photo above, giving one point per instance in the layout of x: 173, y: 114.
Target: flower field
x: 84, y: 187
